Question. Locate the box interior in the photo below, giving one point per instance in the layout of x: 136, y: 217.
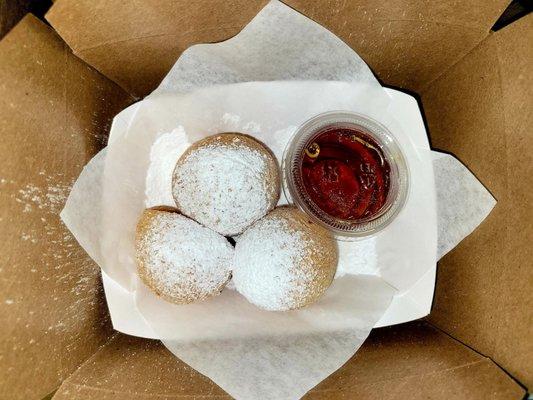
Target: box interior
x: 412, y: 361
x: 475, y: 89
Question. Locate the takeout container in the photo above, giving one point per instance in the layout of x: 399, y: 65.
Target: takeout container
x: 56, y: 108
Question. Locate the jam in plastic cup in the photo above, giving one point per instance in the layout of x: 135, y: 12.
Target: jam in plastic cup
x: 347, y: 172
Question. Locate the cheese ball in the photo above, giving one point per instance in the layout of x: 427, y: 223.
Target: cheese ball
x: 180, y: 260
x: 284, y: 261
x: 226, y: 182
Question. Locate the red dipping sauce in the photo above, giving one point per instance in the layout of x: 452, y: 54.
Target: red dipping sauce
x: 346, y: 174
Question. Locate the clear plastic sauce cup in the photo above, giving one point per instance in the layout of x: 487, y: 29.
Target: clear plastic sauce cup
x: 347, y: 172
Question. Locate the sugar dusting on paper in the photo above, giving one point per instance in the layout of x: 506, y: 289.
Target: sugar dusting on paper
x: 164, y: 155
x: 233, y: 123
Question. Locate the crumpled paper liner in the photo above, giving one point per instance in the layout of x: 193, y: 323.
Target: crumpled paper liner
x: 251, y: 353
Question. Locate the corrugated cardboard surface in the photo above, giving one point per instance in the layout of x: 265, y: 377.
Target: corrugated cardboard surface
x: 408, y: 43
x: 481, y: 110
x: 412, y: 361
x: 55, y: 113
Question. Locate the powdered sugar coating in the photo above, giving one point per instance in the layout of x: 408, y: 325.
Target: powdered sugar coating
x: 283, y: 261
x: 226, y: 182
x: 179, y: 259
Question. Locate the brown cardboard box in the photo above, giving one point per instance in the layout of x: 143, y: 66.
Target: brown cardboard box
x: 56, y: 105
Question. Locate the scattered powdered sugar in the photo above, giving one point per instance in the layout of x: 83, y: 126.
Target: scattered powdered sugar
x: 49, y: 256
x: 51, y: 198
x: 164, y: 155
x: 276, y: 141
x: 234, y: 123
x: 223, y: 186
x: 46, y: 198
x: 231, y: 120
x: 184, y: 260
x: 267, y: 265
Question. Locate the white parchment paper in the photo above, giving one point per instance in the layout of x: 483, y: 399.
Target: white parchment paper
x: 352, y: 305
x: 250, y: 353
x: 460, y: 187
x: 279, y: 44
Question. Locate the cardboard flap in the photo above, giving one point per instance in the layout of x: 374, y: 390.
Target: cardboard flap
x: 480, y: 110
x: 136, y: 43
x: 55, y: 116
x: 412, y: 361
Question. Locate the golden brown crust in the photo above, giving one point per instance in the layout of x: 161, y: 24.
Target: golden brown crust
x: 144, y: 225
